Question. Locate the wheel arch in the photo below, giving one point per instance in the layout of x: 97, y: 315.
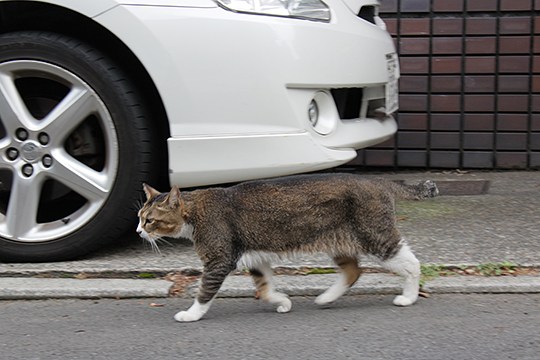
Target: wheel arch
x: 41, y: 16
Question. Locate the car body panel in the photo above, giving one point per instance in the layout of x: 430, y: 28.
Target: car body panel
x: 92, y: 8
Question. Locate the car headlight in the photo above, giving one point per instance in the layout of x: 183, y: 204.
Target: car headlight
x: 301, y: 9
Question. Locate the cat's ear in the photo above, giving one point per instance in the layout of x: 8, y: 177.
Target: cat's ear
x: 150, y: 191
x: 174, y: 200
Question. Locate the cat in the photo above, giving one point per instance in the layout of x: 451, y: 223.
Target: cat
x: 251, y: 223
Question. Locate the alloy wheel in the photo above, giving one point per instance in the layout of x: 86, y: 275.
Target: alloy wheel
x: 58, y: 152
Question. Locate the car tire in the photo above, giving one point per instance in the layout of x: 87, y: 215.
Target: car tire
x: 75, y: 147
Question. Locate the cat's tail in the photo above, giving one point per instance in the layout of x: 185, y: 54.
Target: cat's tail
x: 423, y: 190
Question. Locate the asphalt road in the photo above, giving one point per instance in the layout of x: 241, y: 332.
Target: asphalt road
x: 367, y: 327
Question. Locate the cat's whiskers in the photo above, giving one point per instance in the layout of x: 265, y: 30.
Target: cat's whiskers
x: 153, y: 241
x: 154, y: 245
x: 162, y: 240
x: 138, y: 204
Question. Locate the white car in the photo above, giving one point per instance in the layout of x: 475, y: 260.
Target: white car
x: 99, y: 96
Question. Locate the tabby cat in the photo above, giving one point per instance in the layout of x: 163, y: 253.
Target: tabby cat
x: 250, y: 224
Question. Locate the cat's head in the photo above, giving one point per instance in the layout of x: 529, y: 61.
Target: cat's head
x: 161, y: 214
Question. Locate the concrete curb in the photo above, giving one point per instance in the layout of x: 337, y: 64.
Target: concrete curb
x: 480, y: 284
x: 38, y: 288
x: 242, y: 286
x: 313, y: 285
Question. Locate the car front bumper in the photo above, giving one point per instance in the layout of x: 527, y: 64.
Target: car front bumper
x: 237, y: 87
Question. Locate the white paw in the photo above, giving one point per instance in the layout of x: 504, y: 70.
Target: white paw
x: 401, y: 300
x: 285, y: 306
x: 186, y: 316
x: 324, y: 299
x: 329, y: 296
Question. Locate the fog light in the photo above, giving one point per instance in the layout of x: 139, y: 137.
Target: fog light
x: 313, y: 113
x: 322, y: 113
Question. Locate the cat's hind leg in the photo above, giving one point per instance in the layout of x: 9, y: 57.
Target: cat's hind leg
x: 404, y: 263
x: 262, y: 277
x: 349, y: 273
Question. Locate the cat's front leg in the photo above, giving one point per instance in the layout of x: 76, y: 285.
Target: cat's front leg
x: 194, y: 313
x: 212, y: 278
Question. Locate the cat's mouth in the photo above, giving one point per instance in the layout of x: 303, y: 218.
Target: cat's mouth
x: 143, y: 234
x: 151, y: 239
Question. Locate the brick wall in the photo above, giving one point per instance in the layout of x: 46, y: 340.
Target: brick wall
x: 470, y: 85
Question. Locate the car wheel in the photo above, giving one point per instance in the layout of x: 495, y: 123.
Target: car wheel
x: 74, y: 148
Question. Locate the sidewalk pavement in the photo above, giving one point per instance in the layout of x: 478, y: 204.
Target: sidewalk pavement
x: 501, y: 225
